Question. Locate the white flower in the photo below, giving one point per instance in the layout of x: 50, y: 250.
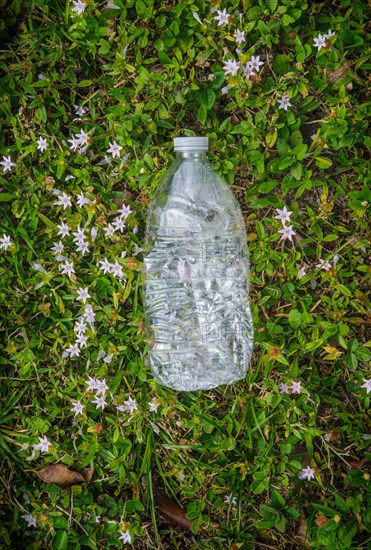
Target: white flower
x: 329, y: 34
x: 222, y: 17
x: 125, y: 537
x: 287, y: 233
x: 106, y: 266
x: 42, y: 144
x: 41, y: 76
x: 114, y: 149
x: 239, y: 36
x: 93, y: 383
x: 295, y: 387
x: 80, y: 111
x: 101, y: 387
x: 228, y: 499
x: 80, y: 327
x: 320, y: 41
x: 124, y: 211
x: 283, y: 388
x: 248, y: 70
x: 117, y: 270
x: 89, y: 313
x: 79, y: 235
x: 99, y: 402
x: 302, y: 272
x: 119, y: 225
x: 83, y: 248
x: 81, y: 200
x: 284, y: 102
x: 255, y: 62
x: 72, y: 350
x: 74, y: 143
x: 7, y: 164
x: 5, y: 242
x: 77, y: 407
x: 78, y: 6
x: 81, y: 340
x: 323, y: 264
x: 57, y: 248
x: 82, y: 137
x: 43, y: 445
x: 367, y: 385
x: 63, y: 200
x: 64, y: 230
x: 129, y: 405
x: 67, y: 267
x: 82, y: 294
x: 97, y: 519
x: 109, y: 230
x: 153, y: 405
x: 225, y: 89
x: 31, y: 520
x: 307, y: 473
x: 231, y: 67
x: 137, y: 249
x: 283, y: 215
x: 108, y: 358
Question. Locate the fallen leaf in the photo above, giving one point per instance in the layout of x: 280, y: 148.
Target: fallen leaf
x: 172, y: 511
x: 87, y: 473
x: 301, y: 535
x: 337, y: 74
x: 61, y: 475
x: 357, y: 464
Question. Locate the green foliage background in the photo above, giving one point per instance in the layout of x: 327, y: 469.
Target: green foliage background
x: 148, y: 71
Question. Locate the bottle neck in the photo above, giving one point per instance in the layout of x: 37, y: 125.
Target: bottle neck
x: 191, y: 154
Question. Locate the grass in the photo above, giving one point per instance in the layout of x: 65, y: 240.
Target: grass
x: 216, y: 469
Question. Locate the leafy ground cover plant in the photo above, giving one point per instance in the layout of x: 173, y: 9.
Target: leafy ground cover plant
x: 95, y: 454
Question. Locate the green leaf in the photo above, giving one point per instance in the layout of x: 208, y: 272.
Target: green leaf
x: 295, y: 318
x: 60, y: 541
x: 208, y: 97
x: 6, y: 197
x: 281, y: 64
x: 84, y: 83
x: 323, y: 162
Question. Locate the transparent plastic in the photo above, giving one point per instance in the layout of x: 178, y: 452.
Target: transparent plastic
x: 196, y: 278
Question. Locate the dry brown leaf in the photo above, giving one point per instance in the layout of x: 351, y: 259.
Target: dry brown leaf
x: 87, y: 473
x: 301, y: 535
x: 337, y: 74
x: 60, y: 475
x: 172, y: 511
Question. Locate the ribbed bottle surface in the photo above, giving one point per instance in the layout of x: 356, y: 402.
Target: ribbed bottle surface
x: 196, y: 280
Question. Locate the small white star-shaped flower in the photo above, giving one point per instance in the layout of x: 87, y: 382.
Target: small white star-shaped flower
x: 83, y: 248
x: 287, y: 233
x: 119, y: 225
x: 63, y: 229
x: 307, y: 473
x: 99, y: 402
x: 283, y: 388
x: 57, y: 248
x: 231, y: 67
x: 239, y: 36
x: 77, y: 407
x: 89, y: 313
x: 367, y: 385
x: 80, y: 327
x: 81, y: 340
x: 31, y: 520
x: 80, y: 111
x: 67, y: 267
x: 248, y: 70
x: 73, y: 350
x: 93, y: 383
x: 79, y: 235
x: 7, y: 164
x: 101, y: 387
x: 137, y: 249
x: 83, y: 137
x: 5, y: 242
x: 117, y: 270
x: 114, y: 149
x: 129, y: 405
x: 82, y: 294
x: 228, y: 499
x: 81, y: 200
x: 106, y: 266
x: 63, y: 200
x: 109, y: 230
x: 153, y: 405
x: 125, y: 537
x: 124, y: 211
x: 320, y: 41
x: 43, y: 445
x: 78, y: 7
x: 42, y: 144
x: 295, y: 387
x: 283, y: 215
x: 222, y: 17
x: 75, y: 143
x: 329, y: 34
x: 284, y: 102
x: 302, y: 272
x: 323, y: 264
x: 255, y: 62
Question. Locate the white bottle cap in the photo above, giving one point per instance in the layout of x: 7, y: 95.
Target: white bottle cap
x: 191, y: 144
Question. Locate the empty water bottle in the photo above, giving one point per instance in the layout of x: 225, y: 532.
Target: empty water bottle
x: 196, y: 276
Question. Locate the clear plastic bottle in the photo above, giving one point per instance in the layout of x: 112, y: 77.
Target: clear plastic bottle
x: 196, y: 276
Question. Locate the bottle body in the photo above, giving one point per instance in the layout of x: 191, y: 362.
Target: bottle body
x: 196, y: 280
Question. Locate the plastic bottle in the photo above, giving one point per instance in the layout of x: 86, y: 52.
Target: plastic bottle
x: 196, y: 276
